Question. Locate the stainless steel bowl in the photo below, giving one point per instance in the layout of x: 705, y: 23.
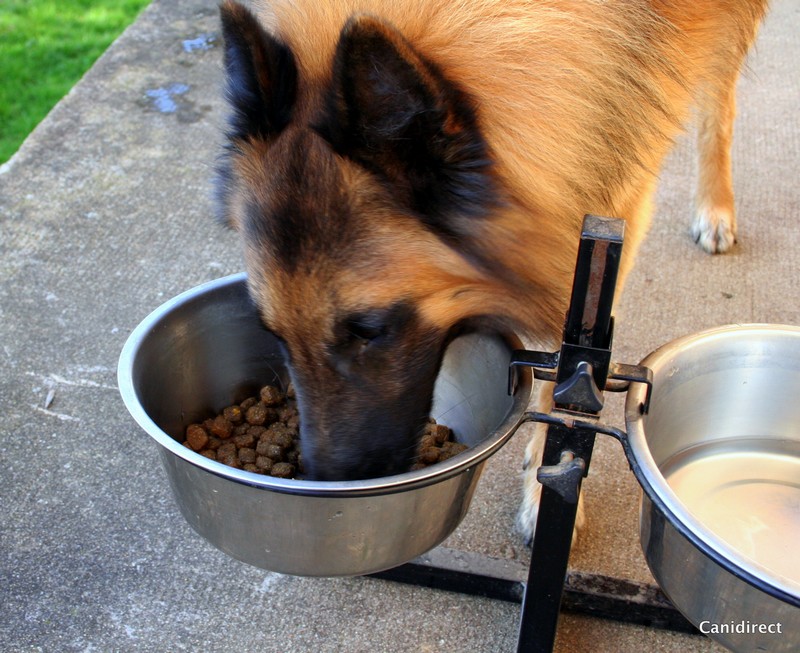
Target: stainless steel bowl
x: 718, y: 457
x: 206, y: 349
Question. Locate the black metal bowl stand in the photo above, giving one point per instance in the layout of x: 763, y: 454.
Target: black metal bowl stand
x: 581, y: 370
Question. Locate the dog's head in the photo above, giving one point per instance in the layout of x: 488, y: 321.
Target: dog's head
x: 360, y: 199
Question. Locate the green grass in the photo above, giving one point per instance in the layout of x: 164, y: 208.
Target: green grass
x: 45, y: 48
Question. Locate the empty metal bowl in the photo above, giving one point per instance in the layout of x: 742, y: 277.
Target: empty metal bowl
x: 207, y: 349
x: 718, y: 457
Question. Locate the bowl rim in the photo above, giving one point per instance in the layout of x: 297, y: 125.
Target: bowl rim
x: 438, y: 472
x: 661, y: 494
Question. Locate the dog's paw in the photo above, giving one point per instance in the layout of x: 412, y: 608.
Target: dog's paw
x: 529, y: 509
x: 532, y: 491
x: 714, y: 229
x: 529, y: 513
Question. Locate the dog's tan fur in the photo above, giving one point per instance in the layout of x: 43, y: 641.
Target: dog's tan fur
x: 546, y: 76
x: 578, y: 101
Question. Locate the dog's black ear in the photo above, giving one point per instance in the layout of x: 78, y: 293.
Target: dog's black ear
x: 395, y: 113
x: 260, y: 72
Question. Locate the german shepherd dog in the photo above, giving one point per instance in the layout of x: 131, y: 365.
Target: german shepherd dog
x: 399, y: 170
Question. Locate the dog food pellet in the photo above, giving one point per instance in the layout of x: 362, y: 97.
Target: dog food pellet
x: 256, y: 414
x: 196, y: 437
x: 280, y: 435
x: 233, y: 414
x: 245, y: 439
x: 226, y: 455
x: 261, y: 435
x: 270, y: 395
x: 274, y: 451
x: 263, y: 464
x: 282, y: 470
x: 428, y: 455
x: 221, y: 427
x: 247, y: 455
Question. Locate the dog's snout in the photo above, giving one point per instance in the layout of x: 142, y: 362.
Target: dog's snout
x: 363, y: 454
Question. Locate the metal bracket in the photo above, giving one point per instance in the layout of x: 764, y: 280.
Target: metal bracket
x: 621, y: 376
x: 580, y: 388
x: 544, y: 364
x: 565, y: 477
x: 576, y: 421
x: 538, y: 360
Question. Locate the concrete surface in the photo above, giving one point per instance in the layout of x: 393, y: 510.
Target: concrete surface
x: 105, y: 213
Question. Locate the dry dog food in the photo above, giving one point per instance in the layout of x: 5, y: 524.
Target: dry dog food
x: 436, y: 445
x: 261, y: 435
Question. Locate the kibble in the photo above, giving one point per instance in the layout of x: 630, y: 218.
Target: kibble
x: 233, y: 414
x: 271, y: 396
x: 256, y: 414
x: 261, y: 435
x: 283, y: 470
x: 196, y: 437
x: 226, y: 455
x: 264, y: 464
x: 221, y: 427
x: 244, y: 440
x: 436, y: 445
x: 247, y: 455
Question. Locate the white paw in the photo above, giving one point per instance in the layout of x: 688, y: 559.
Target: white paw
x: 529, y: 508
x: 714, y: 229
x: 532, y: 490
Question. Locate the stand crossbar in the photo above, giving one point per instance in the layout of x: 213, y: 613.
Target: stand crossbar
x: 593, y: 595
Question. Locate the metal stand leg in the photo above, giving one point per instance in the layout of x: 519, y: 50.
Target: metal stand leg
x: 551, y: 548
x: 583, y: 365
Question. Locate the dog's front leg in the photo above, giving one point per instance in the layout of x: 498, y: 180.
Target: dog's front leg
x: 531, y: 488
x: 714, y: 226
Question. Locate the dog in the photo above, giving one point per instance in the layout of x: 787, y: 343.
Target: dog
x: 403, y: 171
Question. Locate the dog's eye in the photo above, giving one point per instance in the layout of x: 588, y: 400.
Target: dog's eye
x: 367, y: 327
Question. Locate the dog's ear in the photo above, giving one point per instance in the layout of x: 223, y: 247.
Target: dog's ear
x: 395, y: 113
x: 260, y: 72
